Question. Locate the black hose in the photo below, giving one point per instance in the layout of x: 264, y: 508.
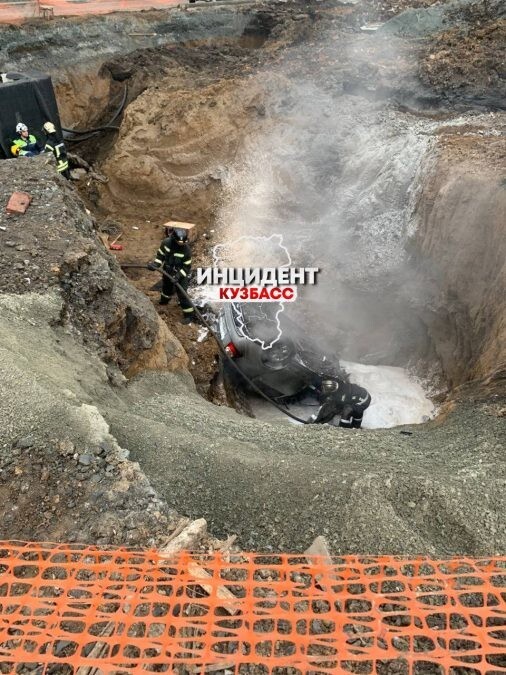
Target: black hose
x: 104, y: 127
x: 93, y: 131
x: 220, y: 345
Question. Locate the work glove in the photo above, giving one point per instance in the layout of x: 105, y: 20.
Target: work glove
x: 152, y: 266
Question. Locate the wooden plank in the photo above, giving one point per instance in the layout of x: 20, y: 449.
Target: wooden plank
x: 320, y: 548
x: 222, y: 592
x: 104, y: 238
x: 186, y: 540
x: 191, y: 228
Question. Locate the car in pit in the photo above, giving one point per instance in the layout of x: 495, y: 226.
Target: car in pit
x: 269, y: 351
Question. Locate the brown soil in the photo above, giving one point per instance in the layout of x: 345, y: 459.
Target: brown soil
x: 463, y: 211
x: 177, y: 138
x: 82, y: 95
x: 468, y: 61
x: 203, y: 355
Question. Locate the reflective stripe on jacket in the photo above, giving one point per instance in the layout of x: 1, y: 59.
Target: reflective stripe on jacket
x: 174, y: 257
x: 59, y: 151
x: 19, y: 145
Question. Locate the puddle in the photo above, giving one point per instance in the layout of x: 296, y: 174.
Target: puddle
x: 397, y: 397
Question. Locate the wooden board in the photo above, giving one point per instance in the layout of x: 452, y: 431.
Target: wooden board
x: 191, y: 228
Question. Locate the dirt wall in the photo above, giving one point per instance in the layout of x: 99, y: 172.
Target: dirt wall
x: 83, y: 95
x: 462, y: 247
x: 173, y: 148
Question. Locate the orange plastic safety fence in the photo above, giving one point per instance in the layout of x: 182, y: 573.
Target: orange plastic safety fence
x: 66, y: 609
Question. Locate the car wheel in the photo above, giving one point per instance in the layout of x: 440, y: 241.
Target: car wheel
x: 277, y: 356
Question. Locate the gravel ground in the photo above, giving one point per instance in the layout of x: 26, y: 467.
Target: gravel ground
x: 69, y: 322
x: 437, y: 491
x: 62, y: 475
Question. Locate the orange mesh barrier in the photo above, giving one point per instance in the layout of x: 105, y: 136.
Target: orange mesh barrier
x: 12, y: 12
x: 66, y: 609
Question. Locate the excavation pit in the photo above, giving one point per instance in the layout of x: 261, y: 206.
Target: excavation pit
x: 235, y: 138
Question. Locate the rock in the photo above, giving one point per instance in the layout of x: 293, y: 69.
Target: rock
x: 122, y: 455
x: 78, y: 174
x: 130, y: 522
x: 86, y: 459
x: 105, y: 447
x: 25, y: 442
x: 66, y: 447
x: 220, y: 173
x: 115, y: 376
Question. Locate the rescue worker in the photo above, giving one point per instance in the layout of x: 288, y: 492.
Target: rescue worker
x: 25, y: 144
x: 174, y: 256
x: 343, y: 404
x: 58, y: 149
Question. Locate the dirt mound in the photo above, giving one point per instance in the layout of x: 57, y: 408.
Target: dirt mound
x: 68, y: 319
x: 171, y: 156
x: 468, y: 62
x: 438, y: 490
x: 54, y: 246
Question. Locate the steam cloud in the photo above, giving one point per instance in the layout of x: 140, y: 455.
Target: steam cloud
x: 335, y: 174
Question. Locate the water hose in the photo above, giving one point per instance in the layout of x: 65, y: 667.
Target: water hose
x: 88, y: 133
x: 93, y: 131
x: 219, y: 343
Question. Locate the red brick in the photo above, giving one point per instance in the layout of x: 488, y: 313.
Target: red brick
x: 18, y: 202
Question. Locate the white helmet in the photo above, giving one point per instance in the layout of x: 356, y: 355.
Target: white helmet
x: 49, y: 128
x: 21, y: 127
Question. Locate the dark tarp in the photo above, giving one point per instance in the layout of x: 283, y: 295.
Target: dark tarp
x: 29, y: 99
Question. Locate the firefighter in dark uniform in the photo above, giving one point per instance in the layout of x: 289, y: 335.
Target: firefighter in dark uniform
x: 342, y: 404
x: 58, y: 149
x: 174, y: 256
